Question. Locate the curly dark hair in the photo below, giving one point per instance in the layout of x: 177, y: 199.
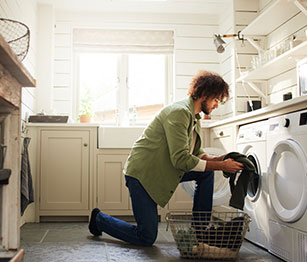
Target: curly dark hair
x: 209, y: 84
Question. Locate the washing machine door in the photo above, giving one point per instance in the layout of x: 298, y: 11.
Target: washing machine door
x: 288, y: 180
x: 254, y: 187
x: 221, y: 192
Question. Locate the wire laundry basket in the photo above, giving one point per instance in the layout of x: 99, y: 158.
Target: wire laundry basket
x: 208, y: 235
x: 17, y: 35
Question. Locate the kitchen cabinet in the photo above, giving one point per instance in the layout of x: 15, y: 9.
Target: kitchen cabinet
x: 180, y: 200
x: 64, y: 171
x: 223, y: 137
x: 112, y: 193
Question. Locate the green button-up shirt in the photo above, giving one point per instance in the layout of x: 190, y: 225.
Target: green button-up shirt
x: 161, y: 156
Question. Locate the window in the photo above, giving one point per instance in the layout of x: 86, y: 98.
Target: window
x: 127, y: 89
x: 122, y: 76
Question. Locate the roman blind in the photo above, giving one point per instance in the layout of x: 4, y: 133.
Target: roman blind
x: 124, y: 41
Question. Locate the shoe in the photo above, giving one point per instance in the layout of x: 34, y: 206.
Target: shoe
x: 92, y: 225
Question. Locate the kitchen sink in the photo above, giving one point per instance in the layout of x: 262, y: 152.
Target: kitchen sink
x: 118, y: 137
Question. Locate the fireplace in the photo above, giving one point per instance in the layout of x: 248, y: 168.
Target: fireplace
x: 5, y: 173
x: 13, y: 76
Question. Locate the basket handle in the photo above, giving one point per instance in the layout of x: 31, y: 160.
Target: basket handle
x: 167, y: 218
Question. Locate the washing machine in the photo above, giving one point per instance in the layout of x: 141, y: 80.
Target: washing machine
x: 221, y: 191
x: 287, y: 183
x: 251, y: 141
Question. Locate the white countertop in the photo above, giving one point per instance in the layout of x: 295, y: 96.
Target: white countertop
x: 63, y: 124
x: 257, y: 113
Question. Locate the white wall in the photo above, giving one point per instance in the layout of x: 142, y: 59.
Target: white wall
x: 25, y: 12
x: 194, y: 49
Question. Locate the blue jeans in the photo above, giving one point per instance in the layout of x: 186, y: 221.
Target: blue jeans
x: 146, y: 213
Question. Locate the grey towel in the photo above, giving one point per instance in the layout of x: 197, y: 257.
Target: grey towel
x: 27, y: 196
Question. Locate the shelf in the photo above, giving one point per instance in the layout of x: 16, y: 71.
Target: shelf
x: 271, y: 18
x: 10, y: 61
x: 278, y: 65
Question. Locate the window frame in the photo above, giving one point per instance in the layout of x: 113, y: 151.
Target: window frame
x: 122, y: 103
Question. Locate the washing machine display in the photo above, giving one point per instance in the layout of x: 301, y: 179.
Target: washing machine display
x: 287, y: 181
x: 251, y: 141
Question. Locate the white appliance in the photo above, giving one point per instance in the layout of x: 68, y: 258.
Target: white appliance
x: 251, y: 141
x: 221, y: 191
x: 287, y: 182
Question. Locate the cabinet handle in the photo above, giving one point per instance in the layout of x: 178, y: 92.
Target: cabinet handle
x: 85, y: 144
x: 221, y: 133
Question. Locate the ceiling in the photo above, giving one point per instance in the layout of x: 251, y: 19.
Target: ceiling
x: 143, y: 6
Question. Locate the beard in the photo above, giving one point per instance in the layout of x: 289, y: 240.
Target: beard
x: 204, y: 107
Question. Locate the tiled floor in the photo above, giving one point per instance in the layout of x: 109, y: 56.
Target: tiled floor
x: 72, y: 242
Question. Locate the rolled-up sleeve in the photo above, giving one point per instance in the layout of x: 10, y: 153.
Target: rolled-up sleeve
x: 201, y: 166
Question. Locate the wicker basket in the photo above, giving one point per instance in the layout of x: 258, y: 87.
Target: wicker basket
x: 17, y: 35
x: 208, y: 235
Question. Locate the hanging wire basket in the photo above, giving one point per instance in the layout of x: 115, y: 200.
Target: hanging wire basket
x: 17, y: 35
x: 208, y: 235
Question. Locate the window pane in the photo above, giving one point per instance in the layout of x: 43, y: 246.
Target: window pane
x: 98, y: 81
x: 146, y: 74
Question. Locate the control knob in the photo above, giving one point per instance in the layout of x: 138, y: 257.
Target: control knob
x: 286, y: 122
x: 259, y: 133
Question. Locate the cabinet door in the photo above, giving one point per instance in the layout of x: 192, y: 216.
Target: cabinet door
x: 223, y: 137
x: 112, y: 191
x: 64, y: 170
x: 180, y: 200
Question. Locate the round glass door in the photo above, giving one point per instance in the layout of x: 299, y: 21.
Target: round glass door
x: 288, y: 180
x: 221, y: 193
x: 253, y: 188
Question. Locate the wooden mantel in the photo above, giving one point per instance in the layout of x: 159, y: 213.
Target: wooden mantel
x: 10, y: 61
x: 13, y: 76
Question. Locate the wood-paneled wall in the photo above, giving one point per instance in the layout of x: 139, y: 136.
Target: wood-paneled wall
x: 193, y: 50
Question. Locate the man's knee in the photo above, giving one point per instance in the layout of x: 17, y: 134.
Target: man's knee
x: 149, y: 238
x: 150, y: 241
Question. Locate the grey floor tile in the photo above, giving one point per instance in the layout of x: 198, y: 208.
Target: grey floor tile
x: 62, y: 252
x: 34, y: 235
x: 72, y: 242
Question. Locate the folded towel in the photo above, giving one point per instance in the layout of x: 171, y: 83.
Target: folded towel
x: 27, y: 195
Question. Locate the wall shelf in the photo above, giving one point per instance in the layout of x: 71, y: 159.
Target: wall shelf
x: 271, y: 18
x: 278, y: 65
x: 10, y: 61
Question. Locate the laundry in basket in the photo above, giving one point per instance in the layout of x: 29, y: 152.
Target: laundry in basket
x: 208, y: 235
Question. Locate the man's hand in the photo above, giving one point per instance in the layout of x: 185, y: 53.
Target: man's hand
x: 232, y: 166
x: 213, y: 158
x: 228, y: 165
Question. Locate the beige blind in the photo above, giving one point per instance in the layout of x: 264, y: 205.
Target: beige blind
x: 124, y: 41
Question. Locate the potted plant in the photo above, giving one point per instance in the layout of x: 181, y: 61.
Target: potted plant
x: 86, y: 112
